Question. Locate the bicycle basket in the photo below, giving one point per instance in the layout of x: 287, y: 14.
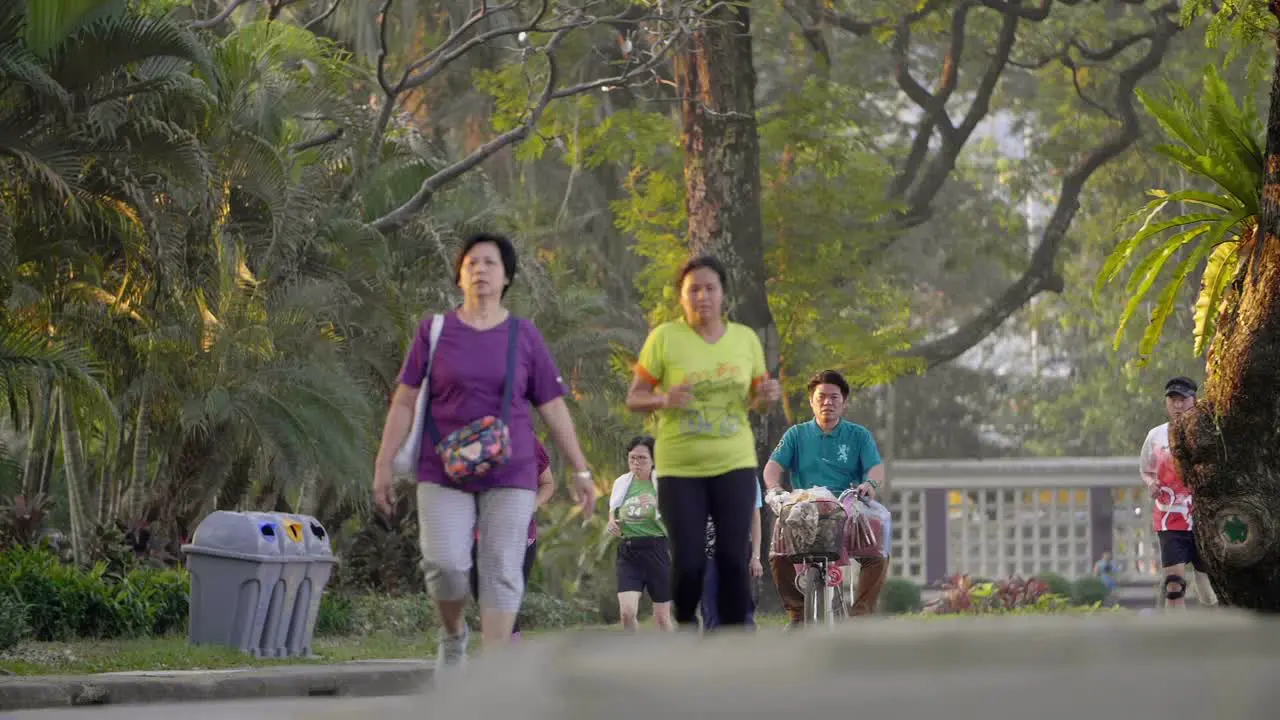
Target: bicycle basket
x: 813, y: 528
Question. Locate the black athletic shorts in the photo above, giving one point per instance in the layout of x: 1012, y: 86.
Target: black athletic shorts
x: 645, y: 564
x: 1178, y: 547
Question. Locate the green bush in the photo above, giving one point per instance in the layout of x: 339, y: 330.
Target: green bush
x: 1058, y: 585
x: 1089, y: 590
x: 899, y: 596
x: 64, y: 602
x: 547, y: 612
x: 43, y: 598
x: 28, y: 576
x: 337, y: 615
x: 347, y: 613
x: 13, y: 622
x: 165, y: 595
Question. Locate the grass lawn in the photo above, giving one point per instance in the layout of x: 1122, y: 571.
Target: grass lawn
x: 173, y: 653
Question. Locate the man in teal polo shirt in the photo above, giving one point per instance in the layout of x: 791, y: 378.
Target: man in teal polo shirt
x: 830, y: 452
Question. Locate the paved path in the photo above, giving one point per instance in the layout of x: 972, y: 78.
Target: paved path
x: 1183, y: 666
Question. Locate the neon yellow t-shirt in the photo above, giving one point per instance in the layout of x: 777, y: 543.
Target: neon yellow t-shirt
x: 712, y: 435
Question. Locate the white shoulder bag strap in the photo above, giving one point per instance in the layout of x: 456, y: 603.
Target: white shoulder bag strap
x: 405, y: 463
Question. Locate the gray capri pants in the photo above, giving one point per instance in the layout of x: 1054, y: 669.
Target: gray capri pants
x: 447, y: 521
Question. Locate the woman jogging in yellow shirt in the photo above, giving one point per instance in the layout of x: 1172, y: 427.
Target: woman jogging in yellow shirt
x: 700, y: 375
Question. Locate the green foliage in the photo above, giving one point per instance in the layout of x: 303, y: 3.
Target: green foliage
x: 656, y: 216
x: 899, y: 597
x: 1057, y: 584
x: 1216, y: 139
x: 382, y: 557
x: 821, y: 240
x: 1244, y: 22
x: 825, y: 242
x: 543, y: 611
x: 1089, y: 591
x: 337, y: 614
x: 364, y: 614
x: 13, y: 622
x: 64, y: 602
x: 575, y: 558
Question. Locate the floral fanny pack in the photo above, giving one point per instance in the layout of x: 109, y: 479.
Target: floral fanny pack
x: 479, y: 447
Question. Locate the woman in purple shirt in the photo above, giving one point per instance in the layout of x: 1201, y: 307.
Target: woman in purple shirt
x: 468, y: 373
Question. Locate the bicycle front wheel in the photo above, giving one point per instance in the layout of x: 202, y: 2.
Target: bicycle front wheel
x: 815, y: 585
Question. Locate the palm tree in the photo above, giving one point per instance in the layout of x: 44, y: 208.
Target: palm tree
x: 83, y: 136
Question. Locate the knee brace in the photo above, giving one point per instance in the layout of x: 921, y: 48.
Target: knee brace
x: 1175, y: 587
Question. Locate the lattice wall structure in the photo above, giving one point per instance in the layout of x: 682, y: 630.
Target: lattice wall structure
x: 909, y: 534
x: 1025, y: 516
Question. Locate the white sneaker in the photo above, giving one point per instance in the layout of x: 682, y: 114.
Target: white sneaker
x: 451, y: 653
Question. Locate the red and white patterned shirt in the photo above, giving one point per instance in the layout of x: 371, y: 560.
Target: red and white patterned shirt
x: 1160, y: 475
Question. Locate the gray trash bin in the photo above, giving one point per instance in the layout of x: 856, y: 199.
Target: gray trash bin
x: 293, y: 559
x: 306, y: 604
x: 235, y: 565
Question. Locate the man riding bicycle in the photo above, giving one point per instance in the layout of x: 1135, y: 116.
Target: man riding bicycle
x: 836, y: 454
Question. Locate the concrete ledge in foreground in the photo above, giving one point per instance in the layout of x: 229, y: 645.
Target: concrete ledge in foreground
x: 1197, y: 665
x: 354, y: 679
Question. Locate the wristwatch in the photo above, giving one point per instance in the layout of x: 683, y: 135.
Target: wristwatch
x: 582, y: 474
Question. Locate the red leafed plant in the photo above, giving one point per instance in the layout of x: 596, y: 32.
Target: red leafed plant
x: 961, y: 594
x: 1015, y: 592
x: 21, y: 519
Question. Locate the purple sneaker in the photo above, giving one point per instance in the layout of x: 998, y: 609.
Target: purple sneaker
x: 515, y: 636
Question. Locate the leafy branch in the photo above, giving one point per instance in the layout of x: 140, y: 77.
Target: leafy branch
x: 938, y: 138
x: 669, y: 27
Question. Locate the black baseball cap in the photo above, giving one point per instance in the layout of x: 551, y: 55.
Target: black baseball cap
x: 1180, y: 386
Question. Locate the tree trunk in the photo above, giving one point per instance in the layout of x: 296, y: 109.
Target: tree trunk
x: 1228, y: 447
x: 73, y: 469
x: 50, y: 450
x: 138, y: 485
x: 716, y: 82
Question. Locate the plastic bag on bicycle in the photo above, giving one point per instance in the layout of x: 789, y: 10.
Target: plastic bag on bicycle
x: 868, y: 526
x: 809, y: 527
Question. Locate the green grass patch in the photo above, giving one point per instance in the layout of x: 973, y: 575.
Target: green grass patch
x: 173, y: 653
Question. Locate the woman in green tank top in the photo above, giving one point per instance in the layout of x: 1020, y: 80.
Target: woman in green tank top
x: 643, y: 559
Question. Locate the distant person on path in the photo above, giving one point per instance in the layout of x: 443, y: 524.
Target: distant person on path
x: 832, y: 453
x: 470, y: 393
x: 546, y: 488
x: 1171, y: 517
x: 644, y: 561
x: 700, y: 375
x: 711, y: 580
x: 1105, y: 570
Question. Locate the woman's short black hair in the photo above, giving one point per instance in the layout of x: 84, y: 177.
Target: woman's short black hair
x: 506, y: 250
x: 829, y: 377
x: 710, y: 262
x: 637, y: 441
